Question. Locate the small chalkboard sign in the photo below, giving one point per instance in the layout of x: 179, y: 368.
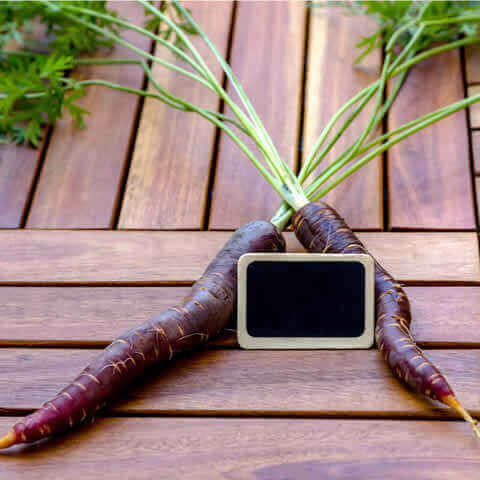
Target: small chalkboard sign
x: 305, y: 301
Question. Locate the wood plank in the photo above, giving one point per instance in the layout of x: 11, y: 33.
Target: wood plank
x: 249, y: 382
x: 174, y: 149
x: 333, y: 39
x: 429, y: 173
x: 268, y: 63
x: 445, y: 315
x: 66, y: 256
x: 472, y: 63
x: 18, y: 165
x: 83, y: 169
x: 477, y: 188
x: 95, y: 315
x: 476, y: 151
x: 474, y: 110
x: 86, y: 315
x: 250, y: 449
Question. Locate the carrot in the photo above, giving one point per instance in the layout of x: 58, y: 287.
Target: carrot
x: 201, y: 315
x: 321, y: 229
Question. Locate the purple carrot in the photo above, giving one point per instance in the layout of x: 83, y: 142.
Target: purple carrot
x: 321, y: 229
x: 201, y: 315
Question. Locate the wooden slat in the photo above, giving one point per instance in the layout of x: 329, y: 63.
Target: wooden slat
x: 268, y: 62
x: 331, y: 81
x: 475, y: 108
x: 18, y: 165
x: 168, y: 179
x: 472, y: 64
x: 445, y: 315
x: 477, y: 188
x: 86, y: 315
x: 250, y: 449
x: 429, y: 173
x: 248, y: 382
x: 83, y: 169
x: 476, y: 151
x: 96, y: 315
x: 43, y: 256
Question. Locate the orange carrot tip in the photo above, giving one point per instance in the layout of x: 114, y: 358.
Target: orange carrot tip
x: 452, y: 402
x: 8, y: 440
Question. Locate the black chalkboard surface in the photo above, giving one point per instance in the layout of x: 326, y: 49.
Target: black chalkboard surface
x: 305, y: 299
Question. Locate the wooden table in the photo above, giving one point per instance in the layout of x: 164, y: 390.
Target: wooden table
x: 105, y: 226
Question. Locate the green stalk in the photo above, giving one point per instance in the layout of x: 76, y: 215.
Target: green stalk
x: 274, y: 166
x: 282, y: 179
x: 177, y: 51
x: 130, y: 46
x: 403, y: 68
x: 212, y: 83
x: 202, y: 112
x: 434, y: 117
x: 283, y: 216
x: 286, y: 175
x: 233, y: 80
x: 403, y: 127
x: 281, y: 176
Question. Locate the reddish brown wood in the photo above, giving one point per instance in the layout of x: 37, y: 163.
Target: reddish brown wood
x: 445, y: 315
x: 476, y: 151
x: 95, y: 315
x: 168, y: 179
x: 244, y: 449
x: 268, y: 63
x: 113, y: 257
x: 332, y: 79
x: 472, y: 63
x: 79, y: 315
x: 477, y: 188
x: 475, y: 108
x: 429, y: 173
x: 83, y: 169
x: 18, y: 165
x: 245, y: 382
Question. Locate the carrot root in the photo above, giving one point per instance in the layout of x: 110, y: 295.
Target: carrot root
x: 453, y: 403
x: 8, y: 440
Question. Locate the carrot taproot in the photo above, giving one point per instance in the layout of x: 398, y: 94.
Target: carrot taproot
x: 201, y: 315
x: 321, y: 229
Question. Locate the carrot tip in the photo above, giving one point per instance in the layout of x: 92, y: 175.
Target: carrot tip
x: 452, y: 402
x: 8, y: 440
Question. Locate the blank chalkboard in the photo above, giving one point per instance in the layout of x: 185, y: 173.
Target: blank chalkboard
x: 305, y: 299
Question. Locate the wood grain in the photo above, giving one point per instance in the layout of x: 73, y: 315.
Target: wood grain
x: 429, y: 173
x: 116, y: 257
x: 445, y: 315
x: 250, y: 449
x: 18, y: 165
x: 86, y: 315
x: 83, y: 169
x: 268, y: 63
x: 248, y: 382
x: 477, y: 188
x: 476, y: 151
x: 93, y: 316
x: 331, y: 81
x: 472, y: 64
x: 475, y: 108
x: 168, y: 179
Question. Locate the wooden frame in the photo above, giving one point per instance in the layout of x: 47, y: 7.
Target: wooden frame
x: 249, y: 342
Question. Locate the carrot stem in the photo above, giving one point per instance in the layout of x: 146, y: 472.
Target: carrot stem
x: 8, y: 440
x: 453, y: 403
